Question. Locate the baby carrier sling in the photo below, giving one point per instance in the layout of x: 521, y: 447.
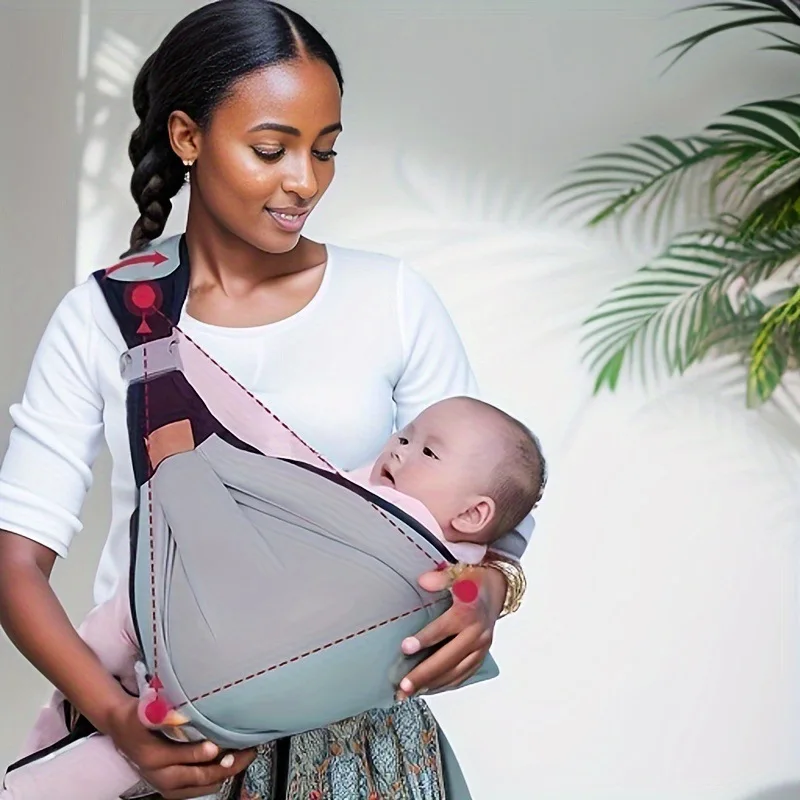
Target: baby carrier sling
x: 269, y: 594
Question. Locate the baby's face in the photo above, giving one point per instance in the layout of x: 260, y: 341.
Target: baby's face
x: 444, y: 459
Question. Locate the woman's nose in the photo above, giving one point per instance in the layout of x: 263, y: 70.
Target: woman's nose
x: 300, y: 178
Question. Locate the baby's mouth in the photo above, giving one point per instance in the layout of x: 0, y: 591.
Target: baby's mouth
x: 387, y: 475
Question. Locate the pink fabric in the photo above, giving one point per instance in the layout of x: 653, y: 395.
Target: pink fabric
x: 239, y: 411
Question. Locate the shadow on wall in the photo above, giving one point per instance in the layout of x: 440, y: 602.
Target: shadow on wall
x: 787, y: 791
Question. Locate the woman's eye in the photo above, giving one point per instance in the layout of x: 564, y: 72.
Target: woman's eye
x: 426, y: 451
x: 269, y: 155
x: 325, y: 155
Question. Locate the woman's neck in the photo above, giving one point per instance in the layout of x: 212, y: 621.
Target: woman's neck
x: 221, y: 259
x: 233, y: 284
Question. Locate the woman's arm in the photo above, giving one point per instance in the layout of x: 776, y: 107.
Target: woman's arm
x: 37, y: 624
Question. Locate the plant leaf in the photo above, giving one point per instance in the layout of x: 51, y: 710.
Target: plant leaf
x: 786, y: 45
x: 769, y: 354
x: 675, y: 310
x: 737, y: 155
x: 750, y: 13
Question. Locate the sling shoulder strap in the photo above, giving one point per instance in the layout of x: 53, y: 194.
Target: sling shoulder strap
x: 146, y: 291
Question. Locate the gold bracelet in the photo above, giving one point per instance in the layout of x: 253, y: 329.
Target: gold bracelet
x: 515, y: 579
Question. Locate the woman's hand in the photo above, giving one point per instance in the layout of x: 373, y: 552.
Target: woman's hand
x: 174, y: 770
x: 478, y: 596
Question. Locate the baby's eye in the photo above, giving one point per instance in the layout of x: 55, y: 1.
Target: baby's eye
x: 426, y: 451
x: 402, y: 440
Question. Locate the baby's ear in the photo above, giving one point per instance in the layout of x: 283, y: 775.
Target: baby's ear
x: 474, y: 520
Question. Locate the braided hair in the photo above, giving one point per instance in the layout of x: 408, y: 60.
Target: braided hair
x: 195, y: 69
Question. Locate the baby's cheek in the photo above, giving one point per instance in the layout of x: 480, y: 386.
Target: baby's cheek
x: 437, y: 501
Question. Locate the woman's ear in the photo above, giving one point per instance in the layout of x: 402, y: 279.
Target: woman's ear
x: 184, y: 136
x: 474, y: 519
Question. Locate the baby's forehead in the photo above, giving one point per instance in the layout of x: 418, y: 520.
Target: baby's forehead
x: 448, y: 415
x: 459, y: 417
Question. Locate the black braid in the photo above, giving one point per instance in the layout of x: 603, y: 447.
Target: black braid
x: 157, y: 178
x: 192, y: 71
x: 158, y: 173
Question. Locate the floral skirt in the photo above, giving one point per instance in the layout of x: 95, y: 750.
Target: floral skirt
x: 393, y: 754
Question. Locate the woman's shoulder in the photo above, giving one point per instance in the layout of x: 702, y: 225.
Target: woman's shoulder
x: 358, y: 259
x: 82, y: 316
x: 370, y: 269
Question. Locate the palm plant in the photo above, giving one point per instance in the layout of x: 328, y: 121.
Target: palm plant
x: 728, y: 280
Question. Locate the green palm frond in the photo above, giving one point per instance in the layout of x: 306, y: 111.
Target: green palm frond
x: 749, y: 13
x: 772, y: 347
x: 641, y: 173
x: 785, y: 45
x: 778, y: 212
x: 675, y: 309
x: 746, y: 148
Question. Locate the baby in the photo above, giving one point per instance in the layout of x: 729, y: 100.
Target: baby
x: 464, y: 469
x: 475, y: 470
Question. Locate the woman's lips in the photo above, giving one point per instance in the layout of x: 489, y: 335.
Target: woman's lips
x: 289, y: 221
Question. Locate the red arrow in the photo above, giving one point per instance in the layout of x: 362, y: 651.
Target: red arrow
x: 155, y: 258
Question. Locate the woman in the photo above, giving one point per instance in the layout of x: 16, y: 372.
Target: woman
x: 244, y: 96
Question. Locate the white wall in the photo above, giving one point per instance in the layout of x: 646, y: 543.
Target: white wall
x: 656, y: 656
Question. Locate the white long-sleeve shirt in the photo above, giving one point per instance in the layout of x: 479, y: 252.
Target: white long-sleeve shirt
x: 373, y: 348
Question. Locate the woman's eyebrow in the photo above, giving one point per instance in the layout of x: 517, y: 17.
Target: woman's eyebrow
x: 291, y: 130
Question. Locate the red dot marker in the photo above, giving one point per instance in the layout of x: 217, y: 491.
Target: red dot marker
x: 465, y: 591
x: 143, y: 296
x: 156, y: 711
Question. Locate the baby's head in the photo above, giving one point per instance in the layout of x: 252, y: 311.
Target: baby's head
x: 477, y: 469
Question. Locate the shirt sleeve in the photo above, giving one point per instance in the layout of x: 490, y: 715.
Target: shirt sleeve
x: 435, y: 367
x: 47, y: 469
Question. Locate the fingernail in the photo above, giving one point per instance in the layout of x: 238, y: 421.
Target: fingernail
x: 211, y: 750
x: 399, y: 697
x: 410, y: 645
x: 406, y: 686
x: 227, y: 761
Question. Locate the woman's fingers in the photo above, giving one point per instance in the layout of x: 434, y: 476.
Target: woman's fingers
x: 183, y: 779
x: 447, y: 658
x: 158, y: 753
x: 456, y: 619
x: 464, y: 582
x: 462, y: 672
x: 435, y: 581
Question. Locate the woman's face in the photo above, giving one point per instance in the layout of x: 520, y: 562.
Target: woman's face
x: 266, y: 157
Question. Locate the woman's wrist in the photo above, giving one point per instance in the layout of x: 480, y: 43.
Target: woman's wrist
x: 512, y: 578
x: 111, y: 711
x: 496, y: 590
